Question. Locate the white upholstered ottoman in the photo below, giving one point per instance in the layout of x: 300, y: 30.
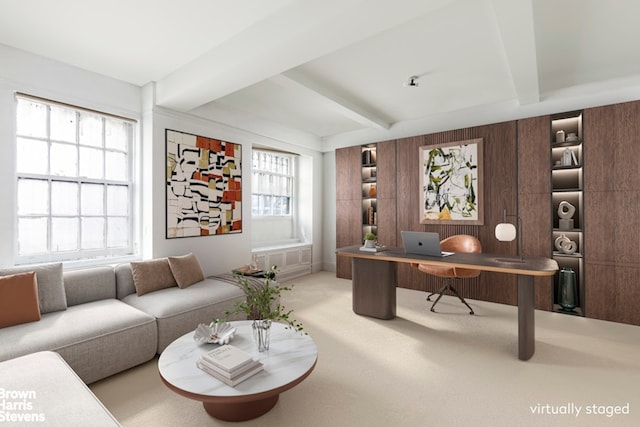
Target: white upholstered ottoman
x: 41, y: 389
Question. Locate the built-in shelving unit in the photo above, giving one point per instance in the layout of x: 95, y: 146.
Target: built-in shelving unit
x: 567, y: 193
x: 369, y: 190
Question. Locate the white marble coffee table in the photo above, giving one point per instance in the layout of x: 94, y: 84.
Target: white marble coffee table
x: 290, y: 359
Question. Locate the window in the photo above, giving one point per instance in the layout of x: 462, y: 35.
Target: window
x: 272, y: 184
x: 74, y: 187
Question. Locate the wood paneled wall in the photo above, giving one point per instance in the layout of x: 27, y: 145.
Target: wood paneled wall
x: 612, y: 212
x: 517, y: 177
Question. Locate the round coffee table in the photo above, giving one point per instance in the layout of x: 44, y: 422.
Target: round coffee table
x: 290, y: 359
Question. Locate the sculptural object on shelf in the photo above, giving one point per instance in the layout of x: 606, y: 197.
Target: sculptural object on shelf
x: 566, y: 211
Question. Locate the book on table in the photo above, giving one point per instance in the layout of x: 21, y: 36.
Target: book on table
x: 229, y: 364
x: 234, y: 379
x: 228, y: 357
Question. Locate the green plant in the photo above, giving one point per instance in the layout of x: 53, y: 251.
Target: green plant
x: 369, y: 236
x: 263, y: 301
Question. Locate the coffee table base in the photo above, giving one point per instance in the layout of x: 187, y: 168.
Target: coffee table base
x: 242, y: 411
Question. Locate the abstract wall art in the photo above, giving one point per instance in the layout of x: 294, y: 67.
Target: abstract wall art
x: 451, y: 183
x: 203, y: 185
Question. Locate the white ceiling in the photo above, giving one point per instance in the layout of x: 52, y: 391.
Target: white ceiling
x: 330, y: 68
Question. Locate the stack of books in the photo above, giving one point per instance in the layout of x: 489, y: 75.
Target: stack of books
x: 229, y: 364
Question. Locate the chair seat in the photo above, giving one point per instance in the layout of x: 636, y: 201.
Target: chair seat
x: 436, y: 270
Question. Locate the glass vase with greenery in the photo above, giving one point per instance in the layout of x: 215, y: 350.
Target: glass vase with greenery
x: 262, y: 305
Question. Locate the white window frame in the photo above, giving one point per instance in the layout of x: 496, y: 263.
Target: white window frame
x: 273, y: 174
x: 79, y: 256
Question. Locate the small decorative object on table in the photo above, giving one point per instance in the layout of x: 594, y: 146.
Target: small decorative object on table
x: 248, y: 271
x: 215, y: 333
x: 262, y: 305
x: 369, y: 240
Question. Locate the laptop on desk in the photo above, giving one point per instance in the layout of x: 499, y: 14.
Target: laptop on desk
x: 422, y: 243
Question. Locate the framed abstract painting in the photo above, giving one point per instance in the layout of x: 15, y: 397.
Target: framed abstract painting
x: 203, y: 185
x: 451, y: 183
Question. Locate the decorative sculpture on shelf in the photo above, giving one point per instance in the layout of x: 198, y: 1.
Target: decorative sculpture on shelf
x: 565, y: 245
x: 566, y: 211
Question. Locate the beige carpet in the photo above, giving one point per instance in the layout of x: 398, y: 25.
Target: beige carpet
x: 424, y: 369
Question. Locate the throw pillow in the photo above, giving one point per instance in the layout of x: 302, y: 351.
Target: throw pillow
x: 19, y: 299
x: 51, y: 294
x: 186, y: 269
x: 152, y: 275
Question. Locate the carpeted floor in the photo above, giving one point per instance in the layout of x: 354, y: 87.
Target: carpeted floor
x: 424, y: 369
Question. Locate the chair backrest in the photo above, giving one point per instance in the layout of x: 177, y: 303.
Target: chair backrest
x: 461, y: 243
x: 457, y: 243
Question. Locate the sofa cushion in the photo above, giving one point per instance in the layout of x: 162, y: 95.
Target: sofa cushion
x: 186, y: 269
x: 19, y: 299
x: 51, y: 293
x: 52, y: 391
x: 152, y: 275
x: 90, y: 284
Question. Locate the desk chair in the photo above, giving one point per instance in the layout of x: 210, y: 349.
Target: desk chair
x: 457, y: 243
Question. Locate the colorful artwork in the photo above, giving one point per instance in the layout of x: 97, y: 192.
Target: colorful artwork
x: 451, y: 183
x: 203, y: 186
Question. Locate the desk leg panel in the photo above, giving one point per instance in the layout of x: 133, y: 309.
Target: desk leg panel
x: 374, y: 288
x: 526, y: 317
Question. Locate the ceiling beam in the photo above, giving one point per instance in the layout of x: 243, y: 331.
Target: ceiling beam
x: 297, y: 81
x: 515, y: 23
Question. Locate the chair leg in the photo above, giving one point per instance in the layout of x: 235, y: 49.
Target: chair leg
x: 442, y: 291
x: 461, y: 299
x: 439, y: 291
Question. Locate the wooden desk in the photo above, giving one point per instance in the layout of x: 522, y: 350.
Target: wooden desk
x: 374, y: 283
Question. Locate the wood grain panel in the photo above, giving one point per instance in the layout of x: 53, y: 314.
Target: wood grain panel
x: 600, y: 245
x: 535, y: 212
x: 386, y: 153
x: 348, y: 173
x: 348, y: 220
x: 626, y: 150
x: 387, y: 215
x: 616, y: 297
x: 534, y: 143
x: 599, y: 148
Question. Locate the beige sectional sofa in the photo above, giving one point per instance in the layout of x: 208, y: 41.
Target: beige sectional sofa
x: 101, y: 326
x: 77, y: 326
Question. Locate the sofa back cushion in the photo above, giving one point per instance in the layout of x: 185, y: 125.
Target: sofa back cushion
x: 152, y: 275
x: 19, y: 299
x: 90, y: 284
x: 186, y: 269
x: 51, y: 293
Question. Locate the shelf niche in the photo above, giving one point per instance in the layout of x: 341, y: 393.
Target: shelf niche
x: 567, y: 184
x: 369, y: 178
